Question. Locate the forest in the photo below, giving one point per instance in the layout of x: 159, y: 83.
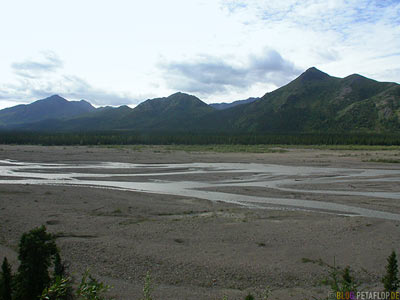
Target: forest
x: 171, y: 138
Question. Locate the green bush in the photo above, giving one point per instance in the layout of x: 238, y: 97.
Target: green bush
x: 147, y: 288
x: 59, y: 290
x: 91, y: 289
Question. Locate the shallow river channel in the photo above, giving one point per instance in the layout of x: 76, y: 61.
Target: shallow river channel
x: 200, y: 180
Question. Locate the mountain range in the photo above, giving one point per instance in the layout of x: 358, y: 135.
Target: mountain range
x: 313, y: 102
x: 225, y: 105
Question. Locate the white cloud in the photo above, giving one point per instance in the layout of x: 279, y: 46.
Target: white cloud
x: 319, y: 14
x: 207, y: 75
x: 42, y: 77
x: 49, y: 62
x: 338, y: 36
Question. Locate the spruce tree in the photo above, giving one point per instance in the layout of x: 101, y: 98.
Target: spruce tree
x: 5, y: 281
x: 36, y: 248
x: 390, y: 280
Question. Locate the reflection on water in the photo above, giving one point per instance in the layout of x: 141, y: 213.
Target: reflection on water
x: 173, y: 179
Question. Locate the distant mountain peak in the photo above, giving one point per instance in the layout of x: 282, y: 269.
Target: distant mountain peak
x: 58, y: 100
x: 224, y: 105
x: 54, y: 98
x: 176, y: 94
x: 312, y: 69
x: 313, y: 74
x: 180, y: 95
x: 354, y: 77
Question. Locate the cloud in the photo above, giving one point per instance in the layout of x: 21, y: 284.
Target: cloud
x: 68, y: 86
x: 50, y: 62
x: 207, y: 75
x: 76, y: 88
x: 234, y: 6
x: 319, y: 14
x: 338, y: 36
x: 44, y: 77
x: 353, y: 22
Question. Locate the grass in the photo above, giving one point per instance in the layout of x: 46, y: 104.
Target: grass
x: 123, y: 147
x: 306, y: 260
x: 383, y: 160
x: 183, y: 213
x: 223, y: 148
x: 343, y: 147
x: 319, y: 261
x: 226, y: 148
x: 134, y: 221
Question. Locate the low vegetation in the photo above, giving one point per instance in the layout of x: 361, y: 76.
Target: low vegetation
x: 226, y: 148
x: 384, y: 160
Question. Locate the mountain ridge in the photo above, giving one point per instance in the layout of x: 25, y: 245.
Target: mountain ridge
x: 313, y: 102
x: 226, y: 105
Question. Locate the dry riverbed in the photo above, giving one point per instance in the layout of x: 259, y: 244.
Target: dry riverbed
x: 200, y: 249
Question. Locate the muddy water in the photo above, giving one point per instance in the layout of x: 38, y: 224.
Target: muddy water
x: 175, y: 179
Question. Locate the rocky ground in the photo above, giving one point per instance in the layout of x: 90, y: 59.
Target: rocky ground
x: 193, y: 248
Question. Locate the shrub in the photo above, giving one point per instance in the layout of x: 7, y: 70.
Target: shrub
x: 59, y: 290
x: 147, y: 288
x: 91, y: 289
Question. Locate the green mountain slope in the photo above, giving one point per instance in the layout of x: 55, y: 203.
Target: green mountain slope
x: 178, y: 112
x: 104, y: 118
x: 316, y: 101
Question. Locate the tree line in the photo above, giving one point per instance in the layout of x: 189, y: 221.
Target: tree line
x: 195, y: 138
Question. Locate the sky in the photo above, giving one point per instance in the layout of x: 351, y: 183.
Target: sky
x: 123, y: 52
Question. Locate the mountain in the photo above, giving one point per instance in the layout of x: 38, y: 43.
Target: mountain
x: 313, y: 102
x: 103, y: 118
x: 177, y: 112
x: 54, y: 107
x: 316, y: 101
x: 224, y: 105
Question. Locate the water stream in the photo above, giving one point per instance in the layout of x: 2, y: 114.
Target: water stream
x: 174, y: 179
